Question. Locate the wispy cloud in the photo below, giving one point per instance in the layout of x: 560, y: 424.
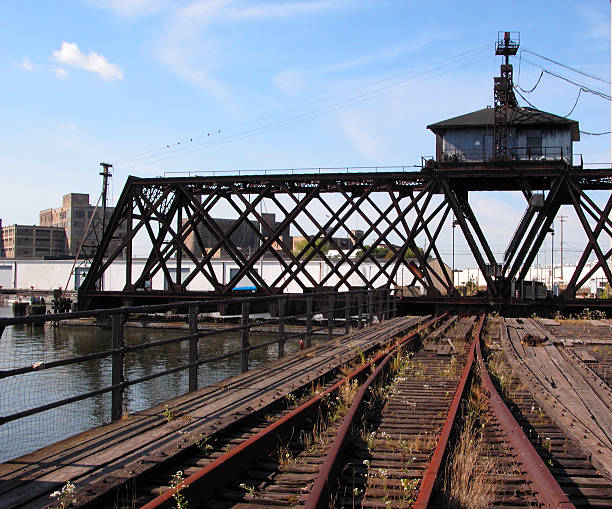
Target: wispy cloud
x: 69, y: 126
x: 132, y: 7
x: 186, y: 51
x: 291, y: 79
x: 598, y: 20
x: 282, y: 9
x: 25, y: 65
x: 70, y: 55
x: 362, y: 134
x: 60, y: 72
x: 188, y: 48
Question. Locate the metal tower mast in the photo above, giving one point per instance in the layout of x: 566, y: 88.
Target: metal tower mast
x: 503, y: 93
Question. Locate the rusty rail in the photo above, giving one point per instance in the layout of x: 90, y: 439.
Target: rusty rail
x: 546, y: 488
x: 318, y: 497
x: 431, y: 474
x: 200, y: 485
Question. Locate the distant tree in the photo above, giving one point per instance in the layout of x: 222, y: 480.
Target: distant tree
x: 470, y: 287
x: 377, y: 252
x: 320, y: 247
x: 410, y: 253
x: 385, y: 252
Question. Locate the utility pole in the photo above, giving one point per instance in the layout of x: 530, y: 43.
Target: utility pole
x: 562, y: 219
x: 552, y: 258
x: 105, y: 176
x: 455, y: 223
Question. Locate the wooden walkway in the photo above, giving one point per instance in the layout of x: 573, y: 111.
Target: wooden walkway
x: 101, y: 459
x: 562, y: 385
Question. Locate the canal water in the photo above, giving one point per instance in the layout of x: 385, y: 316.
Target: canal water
x: 22, y: 346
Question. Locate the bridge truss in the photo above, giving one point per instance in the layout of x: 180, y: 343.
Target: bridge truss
x: 405, y: 211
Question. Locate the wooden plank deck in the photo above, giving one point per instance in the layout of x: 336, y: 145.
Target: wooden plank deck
x: 580, y: 408
x: 103, y: 458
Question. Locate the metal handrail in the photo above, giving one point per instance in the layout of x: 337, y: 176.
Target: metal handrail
x: 353, y: 303
x: 547, y: 153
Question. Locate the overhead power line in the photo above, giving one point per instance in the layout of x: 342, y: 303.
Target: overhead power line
x: 588, y: 75
x: 300, y: 118
x: 397, y: 81
x: 595, y: 134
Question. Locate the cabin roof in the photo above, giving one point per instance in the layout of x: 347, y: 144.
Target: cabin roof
x: 518, y: 117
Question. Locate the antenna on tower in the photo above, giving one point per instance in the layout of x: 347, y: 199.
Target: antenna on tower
x: 503, y: 91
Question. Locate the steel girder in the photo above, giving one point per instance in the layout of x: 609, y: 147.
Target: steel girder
x: 177, y: 218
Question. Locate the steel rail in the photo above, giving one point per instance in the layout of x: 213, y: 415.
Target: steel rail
x: 327, y: 476
x: 431, y: 474
x: 210, y: 478
x: 545, y: 486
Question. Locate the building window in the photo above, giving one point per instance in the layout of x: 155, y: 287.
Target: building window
x: 534, y: 143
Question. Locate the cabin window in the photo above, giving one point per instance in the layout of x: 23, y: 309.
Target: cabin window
x: 534, y: 142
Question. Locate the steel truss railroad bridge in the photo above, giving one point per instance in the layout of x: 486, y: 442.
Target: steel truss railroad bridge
x: 402, y: 210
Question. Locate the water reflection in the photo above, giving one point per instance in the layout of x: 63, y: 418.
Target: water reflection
x: 27, y: 345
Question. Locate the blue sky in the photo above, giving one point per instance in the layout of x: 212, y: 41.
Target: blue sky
x: 269, y: 84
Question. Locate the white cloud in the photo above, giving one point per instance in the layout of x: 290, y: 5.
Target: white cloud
x: 60, y: 72
x: 25, y: 65
x: 70, y: 55
x: 131, y: 7
x: 67, y: 125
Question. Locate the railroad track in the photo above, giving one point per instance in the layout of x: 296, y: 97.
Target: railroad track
x: 197, y: 450
x: 566, y: 459
x: 405, y: 428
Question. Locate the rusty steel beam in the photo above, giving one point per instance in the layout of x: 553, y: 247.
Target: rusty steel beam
x: 172, y: 213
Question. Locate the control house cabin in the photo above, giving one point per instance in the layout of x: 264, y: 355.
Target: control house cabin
x: 532, y: 136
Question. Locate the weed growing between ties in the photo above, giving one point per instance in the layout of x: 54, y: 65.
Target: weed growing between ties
x: 66, y: 496
x: 177, y: 483
x: 199, y: 440
x: 169, y: 414
x: 382, y: 485
x: 469, y: 482
x: 126, y: 496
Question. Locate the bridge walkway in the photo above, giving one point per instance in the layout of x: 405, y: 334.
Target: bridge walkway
x: 104, y: 458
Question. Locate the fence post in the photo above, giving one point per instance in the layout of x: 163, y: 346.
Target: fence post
x: 370, y: 307
x: 360, y: 310
x: 387, y: 305
x: 309, y: 321
x: 193, y: 348
x: 330, y: 318
x: 117, y: 368
x: 244, y: 336
x: 347, y: 313
x: 281, y: 327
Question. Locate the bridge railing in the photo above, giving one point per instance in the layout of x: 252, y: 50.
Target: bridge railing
x: 44, y: 399
x: 295, y: 171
